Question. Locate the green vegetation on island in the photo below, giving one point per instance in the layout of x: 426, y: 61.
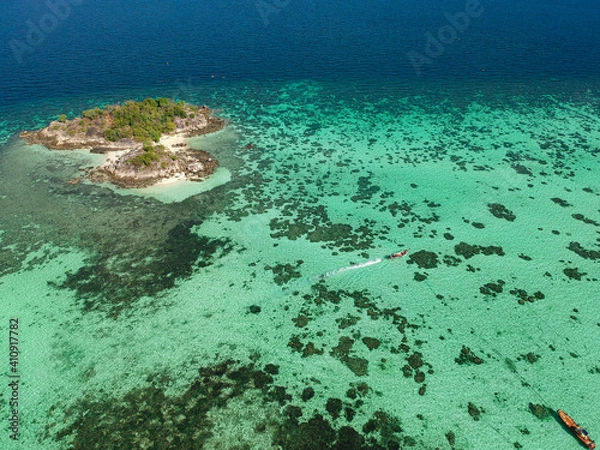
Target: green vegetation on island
x: 143, y: 121
x: 152, y: 153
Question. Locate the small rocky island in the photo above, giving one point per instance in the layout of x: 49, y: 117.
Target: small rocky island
x: 144, y: 141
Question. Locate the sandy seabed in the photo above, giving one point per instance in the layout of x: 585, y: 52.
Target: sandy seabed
x: 208, y: 315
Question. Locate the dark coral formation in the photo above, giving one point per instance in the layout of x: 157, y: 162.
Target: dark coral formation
x: 307, y: 394
x: 284, y: 273
x: 424, y: 259
x: 524, y: 297
x: 334, y: 407
x: 529, y: 357
x: 313, y: 223
x: 451, y: 260
x: 573, y: 273
x: 583, y: 252
x: 501, y: 212
x: 419, y: 276
x: 492, y: 288
x: 147, y: 417
x: 584, y: 219
x: 371, y: 343
x: 468, y: 357
x: 451, y: 438
x: 308, y: 349
x: 102, y: 288
x: 301, y: 321
x: 416, y: 368
x: 347, y: 350
x: 468, y: 251
x: 561, y: 202
x: 539, y: 411
x: 342, y: 352
x: 348, y: 321
x: 382, y: 432
x: 474, y: 411
x: 366, y: 190
x: 522, y: 170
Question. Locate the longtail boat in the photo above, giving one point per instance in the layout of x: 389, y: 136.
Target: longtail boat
x: 578, y: 431
x: 397, y: 254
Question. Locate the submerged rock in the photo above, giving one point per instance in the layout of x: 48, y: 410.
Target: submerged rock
x: 583, y: 252
x: 539, y: 411
x: 424, y: 259
x: 357, y: 365
x: 561, y: 202
x: 371, y: 343
x: 468, y: 251
x: 467, y: 356
x: 492, y: 288
x: 474, y: 411
x: 574, y: 273
x: 501, y: 212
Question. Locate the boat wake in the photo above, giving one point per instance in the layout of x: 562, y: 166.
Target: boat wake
x: 399, y: 254
x: 347, y: 268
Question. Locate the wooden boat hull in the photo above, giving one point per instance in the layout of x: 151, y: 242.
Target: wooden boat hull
x: 397, y: 254
x: 578, y: 431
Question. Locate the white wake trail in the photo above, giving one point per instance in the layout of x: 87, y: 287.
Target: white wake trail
x: 352, y: 267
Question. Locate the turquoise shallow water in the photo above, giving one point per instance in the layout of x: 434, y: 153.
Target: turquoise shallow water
x: 203, y: 322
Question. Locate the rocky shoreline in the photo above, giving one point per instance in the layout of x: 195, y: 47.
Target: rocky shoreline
x: 192, y: 165
x: 134, y: 162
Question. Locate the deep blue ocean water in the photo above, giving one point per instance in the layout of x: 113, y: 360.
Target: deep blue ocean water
x: 99, y: 46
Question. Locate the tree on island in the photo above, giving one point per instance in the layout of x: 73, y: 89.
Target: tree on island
x: 142, y: 121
